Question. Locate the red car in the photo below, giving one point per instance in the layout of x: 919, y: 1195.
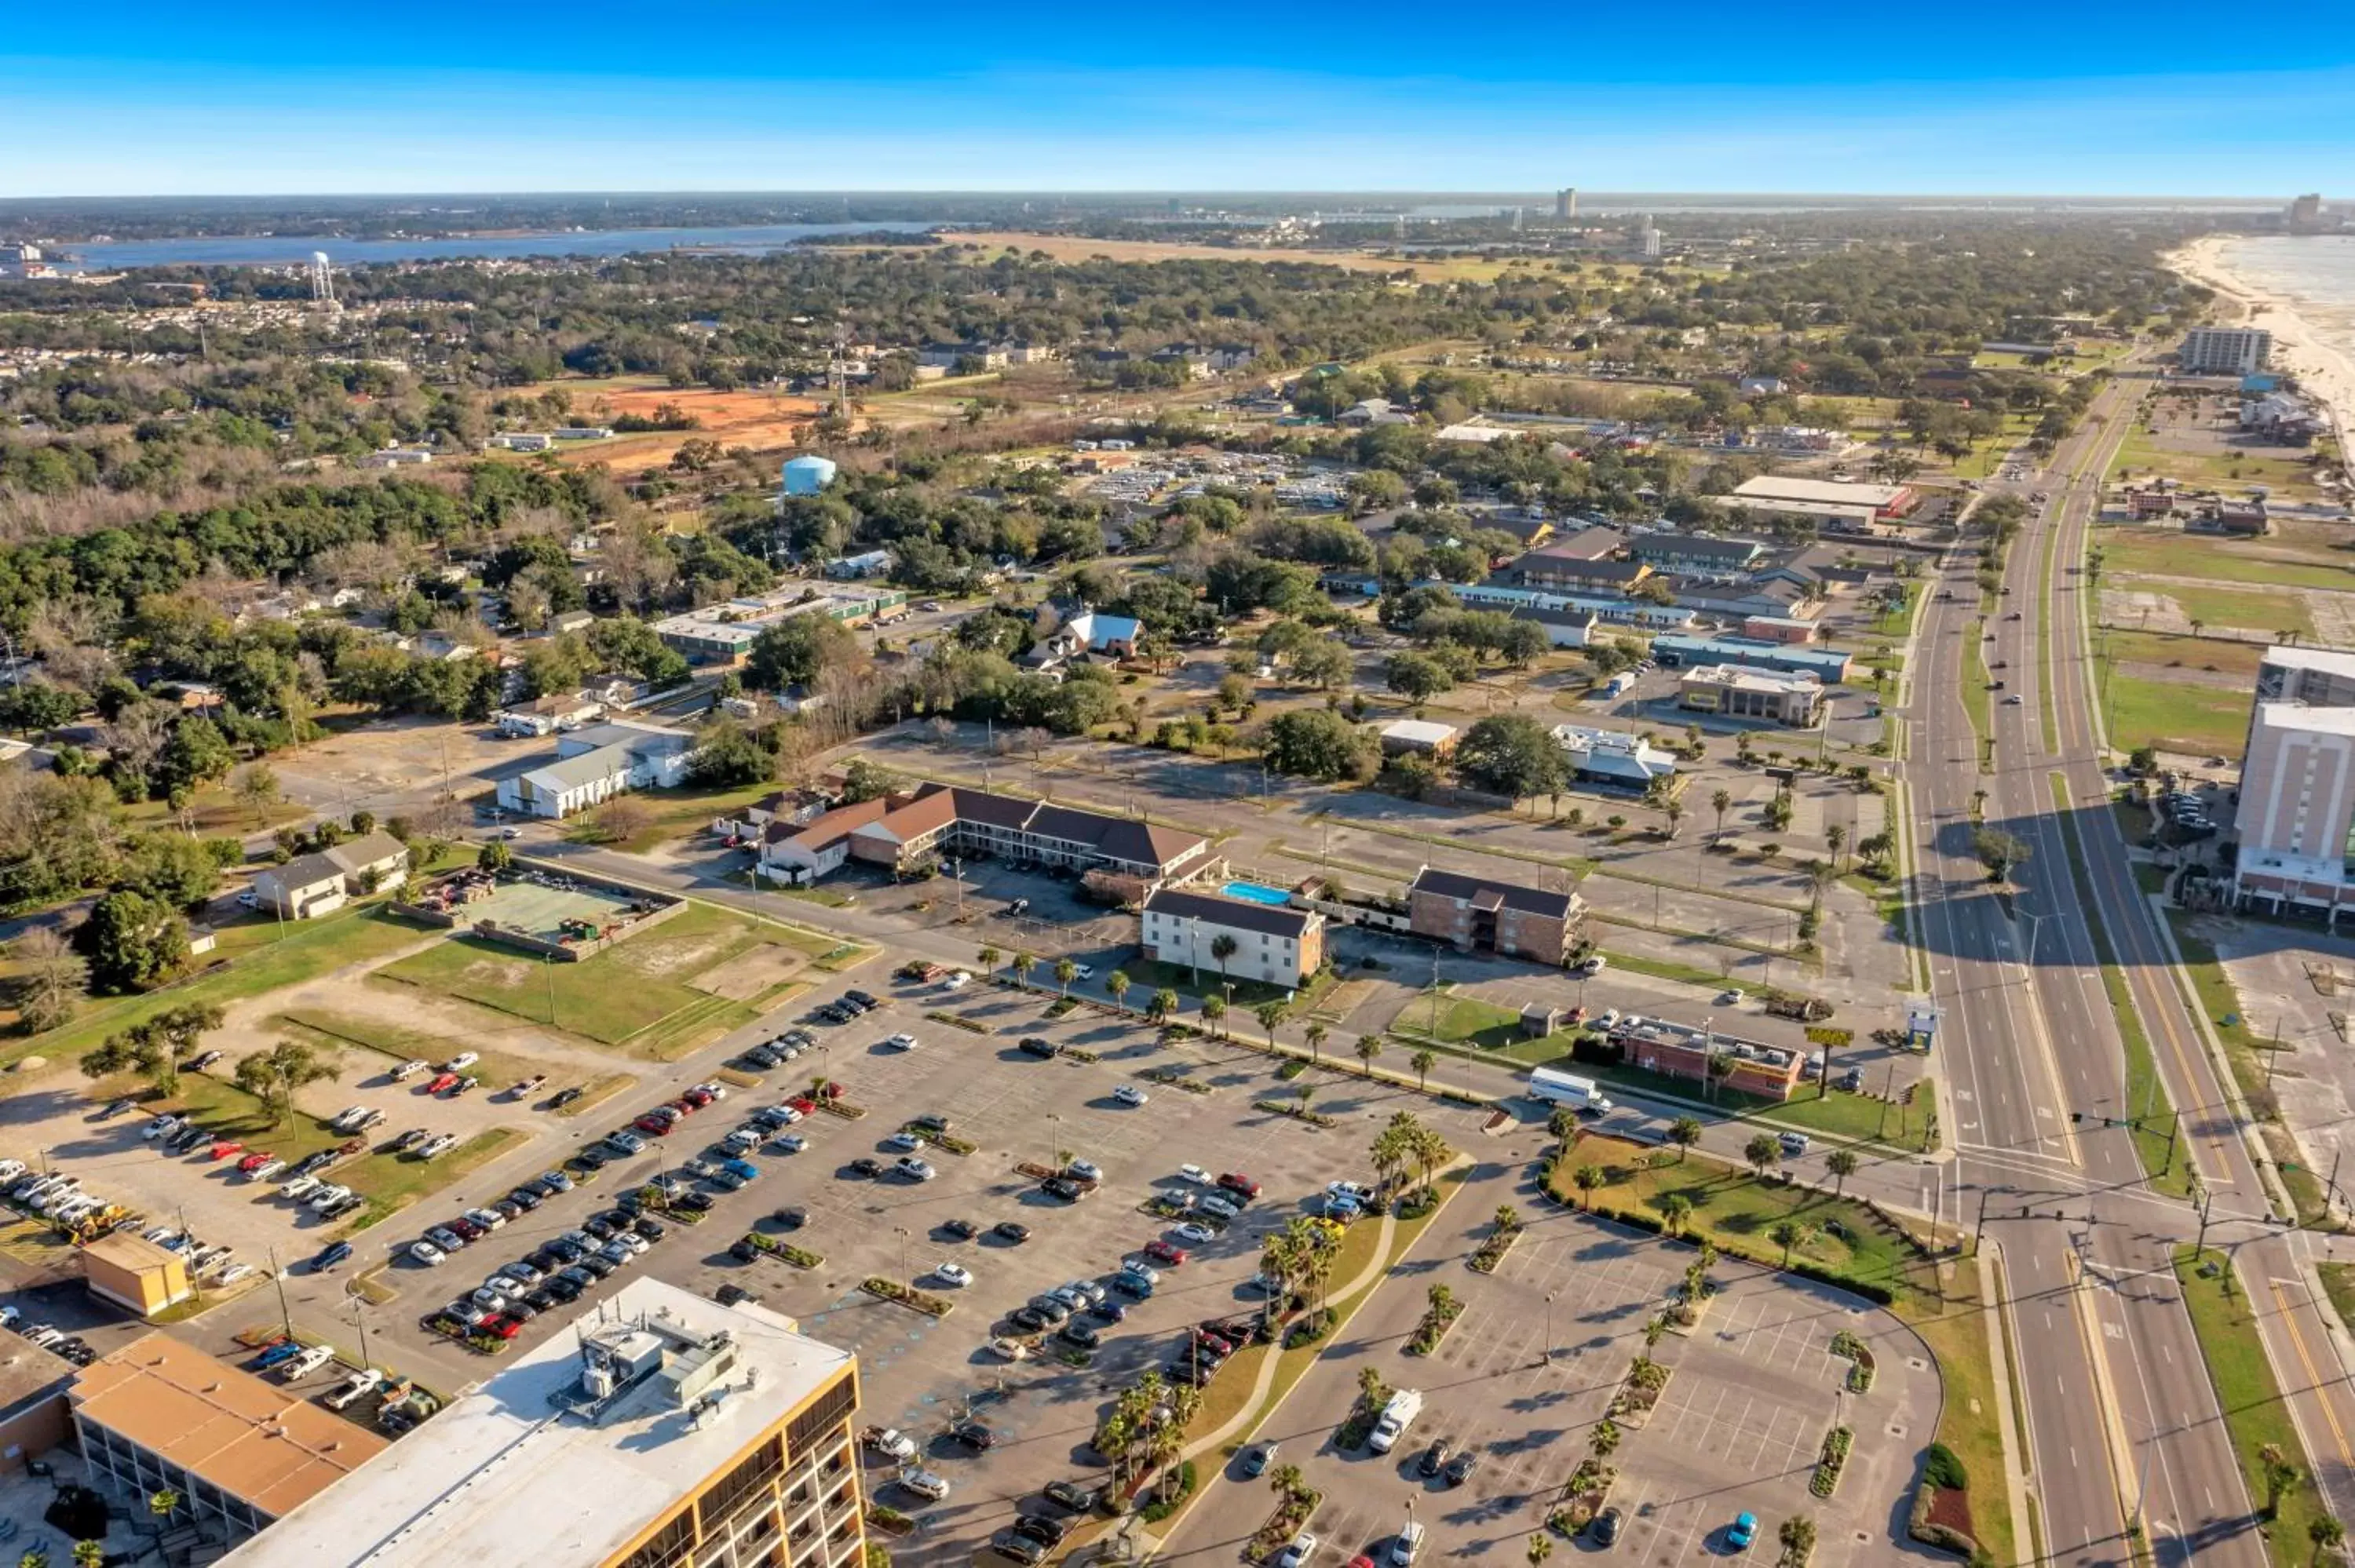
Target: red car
x: 1162, y: 1252
x: 698, y: 1098
x: 658, y: 1126
x: 442, y: 1082
x: 255, y: 1160
x: 682, y: 1106
x: 226, y: 1147
x: 803, y: 1103
x: 505, y: 1328
x: 1236, y: 1182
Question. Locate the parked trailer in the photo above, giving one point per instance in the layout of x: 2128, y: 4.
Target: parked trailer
x: 1582, y: 1095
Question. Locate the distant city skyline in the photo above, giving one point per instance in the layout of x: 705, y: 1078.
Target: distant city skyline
x: 147, y: 99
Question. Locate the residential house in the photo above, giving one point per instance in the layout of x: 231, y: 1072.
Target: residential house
x: 1272, y: 944
x: 1479, y: 913
x: 1426, y: 737
x: 548, y: 714
x: 322, y: 882
x: 1090, y: 631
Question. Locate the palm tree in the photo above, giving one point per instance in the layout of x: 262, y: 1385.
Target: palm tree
x: 1270, y: 1014
x: 1286, y: 1480
x: 1373, y: 1389
x: 1787, y: 1235
x: 1675, y: 812
x: 1300, y: 1091
x: 1763, y: 1152
x: 1675, y: 1212
x: 1163, y: 1003
x: 1604, y: 1438
x: 1023, y: 963
x: 163, y: 1502
x: 1422, y: 1061
x: 1315, y: 1036
x: 989, y: 957
x: 1586, y: 1177
x: 1799, y: 1538
x: 1066, y: 972
x: 1842, y: 1164
x: 1442, y: 1298
x: 1214, y: 1012
x: 1684, y: 1132
x: 1222, y: 948
x: 1541, y: 1547
x: 1369, y: 1048
x: 89, y: 1554
x: 1117, y: 983
x: 1508, y: 1217
x: 2326, y: 1533
x: 2279, y: 1475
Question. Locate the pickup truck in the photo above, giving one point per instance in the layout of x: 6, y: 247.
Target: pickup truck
x: 889, y: 1441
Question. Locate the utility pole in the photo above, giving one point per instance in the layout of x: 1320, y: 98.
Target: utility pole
x: 2207, y: 1201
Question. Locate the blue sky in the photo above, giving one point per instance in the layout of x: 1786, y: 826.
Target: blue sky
x: 2099, y: 97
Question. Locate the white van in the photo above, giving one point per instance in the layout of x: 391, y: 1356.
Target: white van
x: 1408, y: 1545
x: 1397, y: 1416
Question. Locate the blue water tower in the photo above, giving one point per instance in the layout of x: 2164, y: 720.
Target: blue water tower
x: 808, y: 475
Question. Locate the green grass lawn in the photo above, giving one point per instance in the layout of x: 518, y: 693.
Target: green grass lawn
x: 1148, y: 975
x: 2247, y: 608
x: 2144, y: 456
x: 253, y: 956
x: 2201, y: 720
x: 629, y: 987
x: 671, y: 814
x: 2224, y: 1319
x: 2168, y: 552
x: 2169, y: 651
x: 391, y: 1182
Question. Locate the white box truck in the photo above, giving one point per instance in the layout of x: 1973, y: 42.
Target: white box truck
x: 1582, y: 1095
x: 1397, y: 1416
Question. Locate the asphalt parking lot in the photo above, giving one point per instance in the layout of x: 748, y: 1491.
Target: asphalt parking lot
x: 1531, y: 1366
x: 920, y: 1374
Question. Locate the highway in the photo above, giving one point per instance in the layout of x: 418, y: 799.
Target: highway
x: 2123, y: 1423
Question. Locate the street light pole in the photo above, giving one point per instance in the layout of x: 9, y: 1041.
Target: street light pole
x: 1547, y: 1357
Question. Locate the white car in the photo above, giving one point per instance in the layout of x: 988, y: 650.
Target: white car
x: 1010, y: 1350
x: 1198, y: 1235
x: 1083, y: 971
x: 953, y: 1274
x: 461, y: 1061
x: 901, y: 1043
x: 159, y: 1127
x: 957, y: 981
x: 489, y: 1219
x: 1214, y: 1205
x: 434, y: 1149
x: 903, y: 1140
x: 1085, y: 1169
x: 913, y: 1168
x: 926, y: 1485
x: 408, y: 1069
x: 300, y: 1188
x: 328, y: 1196
x: 892, y: 1444
x: 1195, y: 1176
x: 1301, y: 1548
x: 1130, y: 1094
x: 789, y: 1142
x: 426, y: 1253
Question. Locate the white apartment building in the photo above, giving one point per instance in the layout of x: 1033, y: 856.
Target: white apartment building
x: 2225, y: 351
x: 2296, y: 816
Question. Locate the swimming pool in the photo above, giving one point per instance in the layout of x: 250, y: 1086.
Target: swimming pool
x: 1256, y: 893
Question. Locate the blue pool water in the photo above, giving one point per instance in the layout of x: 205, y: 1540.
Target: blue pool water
x: 1256, y: 894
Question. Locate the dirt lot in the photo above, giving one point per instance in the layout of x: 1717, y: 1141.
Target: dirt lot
x: 766, y: 421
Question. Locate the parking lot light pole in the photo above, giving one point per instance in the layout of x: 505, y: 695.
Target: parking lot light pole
x: 1547, y: 1358
x: 903, y: 1230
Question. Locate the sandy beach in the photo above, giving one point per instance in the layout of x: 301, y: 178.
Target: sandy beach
x: 2325, y: 371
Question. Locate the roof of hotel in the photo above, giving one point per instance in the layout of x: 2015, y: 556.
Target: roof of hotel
x: 1243, y: 914
x: 1115, y: 838
x: 2335, y: 660
x: 2304, y: 716
x: 1511, y: 895
x: 504, y: 1474
x: 250, y: 1439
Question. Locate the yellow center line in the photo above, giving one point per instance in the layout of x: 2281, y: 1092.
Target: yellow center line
x: 2314, y: 1379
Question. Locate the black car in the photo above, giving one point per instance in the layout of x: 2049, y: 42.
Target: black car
x: 542, y: 1300
x: 1079, y: 1334
x: 791, y: 1218
x: 1044, y: 1529
x: 1434, y: 1459
x: 649, y: 1227
x: 1022, y: 1548
x: 598, y: 1264
x: 1604, y: 1529
x: 564, y: 1288
x: 693, y: 1203
x: 334, y: 1254
x: 974, y: 1435
x: 1068, y: 1190
x: 1461, y: 1471
x: 863, y: 1166
x: 1014, y: 1231
x: 1188, y: 1372
x: 508, y: 1210
x: 964, y: 1230
x: 189, y: 1138
x: 598, y: 1226
x: 577, y: 1276
x: 758, y: 1056
x: 863, y: 999
x: 1110, y: 1311
x: 540, y: 1187
x: 1029, y: 1319
x: 520, y: 1312
x: 1071, y: 1495
x: 564, y: 1097
x: 730, y: 1294
x: 1036, y: 1047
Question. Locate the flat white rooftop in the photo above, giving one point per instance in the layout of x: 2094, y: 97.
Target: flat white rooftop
x: 1838, y: 492
x: 2301, y: 718
x: 508, y: 1475
x: 2335, y: 660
